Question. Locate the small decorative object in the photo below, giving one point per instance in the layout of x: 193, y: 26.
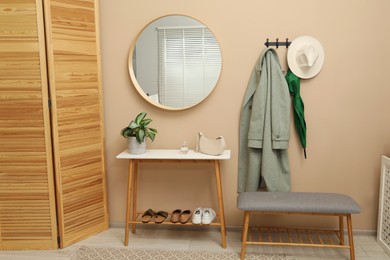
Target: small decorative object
x: 184, y: 148
x: 136, y: 133
x: 210, y: 146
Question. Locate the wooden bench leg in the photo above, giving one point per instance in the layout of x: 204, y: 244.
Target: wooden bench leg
x: 341, y: 230
x: 243, y: 229
x: 350, y: 237
x: 244, y: 234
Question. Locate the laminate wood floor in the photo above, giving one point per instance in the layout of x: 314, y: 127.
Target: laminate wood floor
x: 203, y: 239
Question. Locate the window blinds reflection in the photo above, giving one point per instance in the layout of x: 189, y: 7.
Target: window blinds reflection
x: 189, y: 64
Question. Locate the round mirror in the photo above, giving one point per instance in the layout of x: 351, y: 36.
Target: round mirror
x: 175, y: 62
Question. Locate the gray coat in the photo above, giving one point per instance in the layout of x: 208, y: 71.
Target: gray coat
x: 265, y: 128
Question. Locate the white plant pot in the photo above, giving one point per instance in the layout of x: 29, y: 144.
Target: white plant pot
x: 134, y: 147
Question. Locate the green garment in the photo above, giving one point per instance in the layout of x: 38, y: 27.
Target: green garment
x: 299, y: 109
x: 265, y: 128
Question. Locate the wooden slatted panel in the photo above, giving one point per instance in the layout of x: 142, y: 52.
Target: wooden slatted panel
x: 27, y: 200
x: 75, y: 87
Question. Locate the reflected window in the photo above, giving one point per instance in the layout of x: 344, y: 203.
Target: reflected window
x: 189, y: 63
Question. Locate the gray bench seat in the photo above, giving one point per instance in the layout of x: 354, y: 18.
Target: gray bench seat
x: 297, y: 202
x: 305, y: 203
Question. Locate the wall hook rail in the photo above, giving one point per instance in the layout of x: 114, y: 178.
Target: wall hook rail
x: 277, y: 43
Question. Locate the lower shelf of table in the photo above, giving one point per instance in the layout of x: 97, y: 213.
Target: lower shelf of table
x: 295, y: 237
x: 138, y: 220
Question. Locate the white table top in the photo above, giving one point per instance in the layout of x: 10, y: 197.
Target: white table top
x: 173, y: 154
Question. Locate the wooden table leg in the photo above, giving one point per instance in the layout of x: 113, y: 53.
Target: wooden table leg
x: 220, y: 203
x: 134, y: 214
x: 128, y: 206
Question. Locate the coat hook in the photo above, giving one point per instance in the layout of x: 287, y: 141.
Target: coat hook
x: 267, y: 43
x: 287, y: 43
x: 277, y: 43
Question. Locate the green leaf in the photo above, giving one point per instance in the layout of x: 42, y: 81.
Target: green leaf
x: 151, y: 136
x: 123, y: 131
x: 153, y: 130
x: 146, y: 122
x: 140, y: 136
x: 140, y: 117
x: 126, y: 132
x: 133, y: 125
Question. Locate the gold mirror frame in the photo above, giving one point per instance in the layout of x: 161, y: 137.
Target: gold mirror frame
x: 139, y: 88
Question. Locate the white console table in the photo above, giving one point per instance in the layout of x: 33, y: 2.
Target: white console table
x: 169, y: 156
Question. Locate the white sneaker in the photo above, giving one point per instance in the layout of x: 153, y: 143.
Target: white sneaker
x: 197, y: 216
x: 208, y: 216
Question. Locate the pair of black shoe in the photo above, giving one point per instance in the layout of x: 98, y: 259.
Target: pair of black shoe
x: 158, y: 216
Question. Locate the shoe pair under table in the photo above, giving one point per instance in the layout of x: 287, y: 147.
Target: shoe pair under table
x: 200, y: 216
x: 203, y: 215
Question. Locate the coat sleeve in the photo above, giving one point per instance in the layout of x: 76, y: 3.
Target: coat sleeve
x: 246, y: 111
x: 257, y: 113
x: 280, y: 107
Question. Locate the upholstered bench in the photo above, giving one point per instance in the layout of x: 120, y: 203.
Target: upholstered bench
x: 299, y: 203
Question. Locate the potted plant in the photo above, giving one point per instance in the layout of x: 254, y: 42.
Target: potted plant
x: 136, y: 133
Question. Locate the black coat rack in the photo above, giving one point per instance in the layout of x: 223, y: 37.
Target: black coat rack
x: 277, y: 43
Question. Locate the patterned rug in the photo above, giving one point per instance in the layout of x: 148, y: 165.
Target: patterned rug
x: 100, y: 253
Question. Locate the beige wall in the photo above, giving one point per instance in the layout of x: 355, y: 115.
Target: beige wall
x: 345, y: 105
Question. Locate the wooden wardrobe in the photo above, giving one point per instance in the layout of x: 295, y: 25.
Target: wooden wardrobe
x: 52, y: 174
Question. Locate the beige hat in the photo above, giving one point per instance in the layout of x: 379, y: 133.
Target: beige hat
x: 305, y: 57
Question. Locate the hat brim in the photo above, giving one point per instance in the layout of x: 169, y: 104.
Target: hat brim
x: 296, y: 44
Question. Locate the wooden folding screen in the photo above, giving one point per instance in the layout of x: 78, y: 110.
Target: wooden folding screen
x: 76, y: 96
x: 42, y: 146
x: 27, y: 198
